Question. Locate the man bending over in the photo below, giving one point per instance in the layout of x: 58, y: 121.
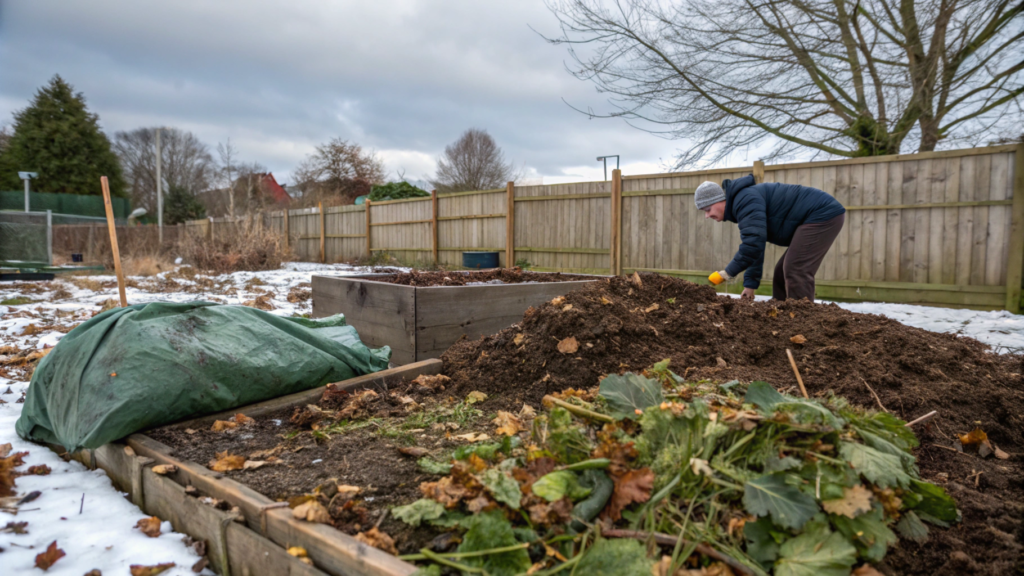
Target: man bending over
x: 805, y: 219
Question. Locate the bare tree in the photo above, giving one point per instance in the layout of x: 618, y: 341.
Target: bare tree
x: 186, y: 163
x: 473, y: 162
x: 228, y: 168
x: 337, y: 173
x: 842, y: 77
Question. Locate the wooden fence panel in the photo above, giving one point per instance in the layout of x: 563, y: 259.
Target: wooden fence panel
x: 402, y: 228
x: 569, y: 230
x: 471, y: 222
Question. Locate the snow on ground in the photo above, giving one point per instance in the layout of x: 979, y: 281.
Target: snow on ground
x: 92, y: 522
x: 78, y: 508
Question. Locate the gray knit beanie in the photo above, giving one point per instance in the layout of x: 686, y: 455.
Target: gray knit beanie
x: 707, y: 194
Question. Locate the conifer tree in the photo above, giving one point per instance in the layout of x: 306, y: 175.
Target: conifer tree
x: 59, y: 138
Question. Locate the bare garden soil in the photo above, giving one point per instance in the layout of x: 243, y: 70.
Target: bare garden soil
x: 455, y: 278
x: 627, y: 324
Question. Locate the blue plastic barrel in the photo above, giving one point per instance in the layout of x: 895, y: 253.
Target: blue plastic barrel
x: 479, y: 260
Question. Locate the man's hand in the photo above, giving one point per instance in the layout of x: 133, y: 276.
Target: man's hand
x: 747, y: 294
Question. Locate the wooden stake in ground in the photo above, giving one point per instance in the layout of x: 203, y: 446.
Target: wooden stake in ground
x: 799, y: 380
x: 113, y: 240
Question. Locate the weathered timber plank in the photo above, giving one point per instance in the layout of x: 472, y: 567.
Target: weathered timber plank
x: 383, y: 314
x: 444, y: 314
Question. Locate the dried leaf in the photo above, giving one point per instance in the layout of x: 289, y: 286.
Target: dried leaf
x: 7, y: 474
x: 243, y: 420
x: 855, y: 501
x: 5, y: 449
x: 866, y: 570
x: 567, y: 307
x: 298, y: 552
x: 636, y: 280
x: 798, y: 339
x: 527, y: 412
x: 46, y: 559
x: 226, y: 462
x: 558, y: 301
x: 149, y: 526
x: 1001, y: 455
x: 254, y: 464
x: 39, y: 470
x: 568, y: 345
x: 379, y: 540
x: 14, y: 528
x: 605, y: 301
x: 312, y: 511
x: 140, y: 570
x: 518, y: 340
x: 721, y: 362
x: 632, y: 487
x: 508, y: 424
x: 414, y: 451
x: 475, y: 397
x: 446, y: 491
x: 163, y: 469
x: 551, y: 513
x: 473, y: 437
x: 222, y: 425
x: 977, y: 436
x: 432, y: 383
x: 651, y: 308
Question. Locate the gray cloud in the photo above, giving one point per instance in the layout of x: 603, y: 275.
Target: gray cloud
x: 404, y: 77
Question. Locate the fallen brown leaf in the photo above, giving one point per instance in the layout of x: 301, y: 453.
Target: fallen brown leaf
x: 164, y: 469
x: 140, y: 570
x: 222, y: 425
x: 414, y: 451
x: 243, y: 420
x: 567, y: 307
x: 866, y: 570
x: 636, y: 280
x: 226, y: 462
x: 798, y: 339
x: 630, y: 488
x: 605, y: 301
x: 473, y: 437
x: 149, y: 526
x: 651, y: 308
x: 253, y: 464
x: 508, y: 424
x: 39, y: 470
x: 5, y: 449
x: 557, y: 301
x: 475, y: 396
x: 379, y: 540
x: 15, y: 528
x: 312, y: 511
x: 46, y: 559
x: 855, y: 501
x: 518, y: 340
x: 568, y: 345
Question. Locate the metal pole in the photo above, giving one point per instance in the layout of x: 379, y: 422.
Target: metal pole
x: 26, y: 194
x: 605, y: 161
x: 49, y: 237
x: 159, y: 193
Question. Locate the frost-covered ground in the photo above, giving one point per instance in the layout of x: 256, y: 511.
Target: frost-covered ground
x: 90, y: 520
x: 79, y: 509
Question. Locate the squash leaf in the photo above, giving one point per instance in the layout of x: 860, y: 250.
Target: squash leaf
x: 629, y: 394
x: 420, y: 510
x: 881, y: 469
x: 816, y: 552
x: 935, y: 503
x: 557, y: 485
x: 488, y: 531
x: 868, y: 533
x: 503, y: 487
x: 788, y: 506
x: 911, y: 527
x: 608, y: 557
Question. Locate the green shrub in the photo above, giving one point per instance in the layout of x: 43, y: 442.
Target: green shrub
x: 396, y: 191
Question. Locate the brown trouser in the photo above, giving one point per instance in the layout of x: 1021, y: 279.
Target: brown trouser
x: 794, y: 273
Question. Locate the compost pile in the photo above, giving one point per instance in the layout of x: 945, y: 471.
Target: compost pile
x: 499, y: 275
x: 625, y: 324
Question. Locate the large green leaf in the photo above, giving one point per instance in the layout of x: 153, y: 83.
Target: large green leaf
x: 431, y: 466
x: 788, y: 506
x: 762, y: 544
x: 491, y: 530
x: 629, y: 393
x: 503, y: 487
x: 432, y: 570
x: 882, y: 469
x: 934, y: 502
x: 608, y: 557
x: 764, y: 396
x: 420, y: 510
x: 768, y: 399
x: 880, y: 443
x: 868, y: 532
x: 911, y: 527
x: 816, y: 552
x: 557, y: 485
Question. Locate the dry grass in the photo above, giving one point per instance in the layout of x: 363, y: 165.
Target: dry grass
x: 248, y: 247
x: 148, y: 265
x: 84, y: 283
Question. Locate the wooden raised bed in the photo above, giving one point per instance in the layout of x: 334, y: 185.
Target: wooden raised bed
x: 255, y: 540
x: 420, y: 323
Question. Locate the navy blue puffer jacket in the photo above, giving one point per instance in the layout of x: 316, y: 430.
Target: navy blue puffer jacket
x: 770, y: 212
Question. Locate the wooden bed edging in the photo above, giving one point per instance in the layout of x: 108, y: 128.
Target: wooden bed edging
x: 256, y: 542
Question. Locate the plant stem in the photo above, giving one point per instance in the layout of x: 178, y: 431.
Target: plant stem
x: 667, y: 540
x: 570, y: 562
x: 459, y: 555
x: 441, y: 560
x: 581, y: 412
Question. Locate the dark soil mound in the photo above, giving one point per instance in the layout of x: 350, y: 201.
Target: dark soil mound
x: 505, y: 276
x: 622, y: 324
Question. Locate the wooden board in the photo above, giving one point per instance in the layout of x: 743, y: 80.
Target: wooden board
x: 445, y: 314
x: 383, y: 314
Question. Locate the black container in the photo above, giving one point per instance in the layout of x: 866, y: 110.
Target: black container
x: 76, y: 257
x: 479, y: 260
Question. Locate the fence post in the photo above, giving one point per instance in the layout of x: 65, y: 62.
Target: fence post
x: 433, y: 207
x: 49, y: 237
x: 1015, y: 258
x: 209, y: 229
x: 367, y: 204
x: 758, y: 171
x: 323, y: 243
x: 287, y: 230
x: 510, y: 226
x: 615, y: 254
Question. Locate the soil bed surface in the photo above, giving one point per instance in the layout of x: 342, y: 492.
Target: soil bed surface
x: 457, y: 278
x: 627, y: 324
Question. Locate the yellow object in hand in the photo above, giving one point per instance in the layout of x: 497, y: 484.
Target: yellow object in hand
x: 716, y: 278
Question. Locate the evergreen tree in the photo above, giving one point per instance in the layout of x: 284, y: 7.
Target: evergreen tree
x: 60, y: 139
x: 182, y: 205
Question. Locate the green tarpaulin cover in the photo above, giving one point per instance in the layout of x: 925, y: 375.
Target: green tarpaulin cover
x: 147, y: 365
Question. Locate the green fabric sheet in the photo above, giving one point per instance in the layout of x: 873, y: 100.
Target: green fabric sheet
x: 146, y: 365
